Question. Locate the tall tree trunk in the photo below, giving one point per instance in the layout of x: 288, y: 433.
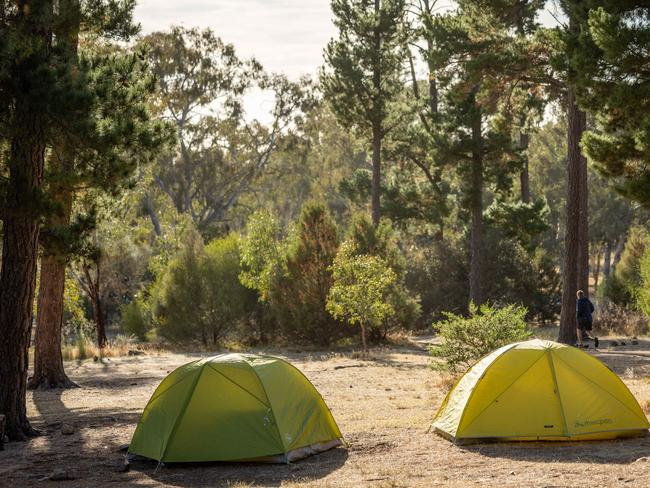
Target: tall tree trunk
x: 620, y: 246
x: 92, y: 288
x: 376, y: 175
x: 524, y: 177
x: 607, y: 260
x: 583, y: 226
x: 147, y: 206
x: 475, y: 294
x: 19, y: 256
x: 21, y: 214
x: 597, y: 270
x: 48, y: 363
x: 100, y: 322
x: 576, y: 127
x: 376, y: 125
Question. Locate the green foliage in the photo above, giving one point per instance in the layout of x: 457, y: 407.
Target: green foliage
x: 200, y: 298
x: 261, y: 253
x: 623, y: 286
x: 519, y: 220
x: 361, y: 287
x: 134, y: 320
x: 220, y: 152
x: 298, y: 295
x: 75, y: 322
x: 466, y: 339
x: 643, y: 295
x: 370, y: 41
x: 381, y: 241
x: 615, y: 86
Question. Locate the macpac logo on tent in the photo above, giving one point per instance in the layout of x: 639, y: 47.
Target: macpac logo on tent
x: 589, y: 423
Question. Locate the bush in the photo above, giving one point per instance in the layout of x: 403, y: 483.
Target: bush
x: 623, y: 286
x: 200, y: 298
x: 298, y: 295
x: 466, y: 340
x: 362, y: 285
x: 134, y: 321
x: 440, y: 272
x: 364, y: 239
x: 616, y: 320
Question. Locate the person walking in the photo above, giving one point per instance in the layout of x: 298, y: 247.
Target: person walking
x: 584, y: 311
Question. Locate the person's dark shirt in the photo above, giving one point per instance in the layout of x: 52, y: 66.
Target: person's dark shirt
x: 584, y: 309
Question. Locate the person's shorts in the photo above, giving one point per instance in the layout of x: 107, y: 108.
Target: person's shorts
x: 585, y: 324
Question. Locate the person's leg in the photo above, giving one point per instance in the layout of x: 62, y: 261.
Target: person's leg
x: 579, y: 334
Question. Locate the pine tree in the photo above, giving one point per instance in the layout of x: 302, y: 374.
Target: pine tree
x: 478, y: 65
x: 576, y: 253
x: 362, y: 78
x: 615, y: 87
x: 47, y: 97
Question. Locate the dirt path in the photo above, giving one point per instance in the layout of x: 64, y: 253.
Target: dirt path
x: 383, y: 407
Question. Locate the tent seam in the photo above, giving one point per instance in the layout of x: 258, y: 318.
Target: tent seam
x: 445, y: 401
x: 238, y: 385
x: 469, y: 398
x: 155, y: 397
x: 275, y: 421
x: 557, y: 389
x: 181, y: 413
x: 603, y: 389
x: 319, y: 396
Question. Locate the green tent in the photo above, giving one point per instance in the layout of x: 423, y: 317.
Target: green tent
x: 235, y: 407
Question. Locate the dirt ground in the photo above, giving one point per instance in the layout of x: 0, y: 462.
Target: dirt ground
x: 383, y: 405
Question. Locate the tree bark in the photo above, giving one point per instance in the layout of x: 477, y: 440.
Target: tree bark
x: 576, y: 120
x: 475, y: 294
x: 583, y: 226
x: 597, y: 270
x: 607, y: 260
x: 19, y: 255
x: 376, y: 175
x: 620, y: 246
x: 376, y: 126
x: 48, y: 363
x: 524, y: 176
x: 363, y: 339
x: 93, y: 290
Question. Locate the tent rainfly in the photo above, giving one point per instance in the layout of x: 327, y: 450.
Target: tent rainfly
x: 235, y: 407
x: 539, y: 390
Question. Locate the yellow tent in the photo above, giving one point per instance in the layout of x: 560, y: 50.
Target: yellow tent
x: 539, y: 390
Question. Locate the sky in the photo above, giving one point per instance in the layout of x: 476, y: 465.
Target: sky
x: 286, y: 36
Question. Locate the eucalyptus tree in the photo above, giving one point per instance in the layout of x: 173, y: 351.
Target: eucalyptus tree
x: 220, y: 153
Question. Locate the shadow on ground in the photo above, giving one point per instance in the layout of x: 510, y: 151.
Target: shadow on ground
x: 255, y: 474
x: 618, y: 451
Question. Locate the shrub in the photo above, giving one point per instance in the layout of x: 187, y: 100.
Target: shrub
x: 466, y: 339
x: 261, y: 253
x: 362, y: 285
x: 298, y: 295
x: 623, y: 285
x: 613, y: 319
x: 439, y: 272
x: 365, y: 239
x: 134, y: 320
x: 643, y: 294
x: 200, y: 297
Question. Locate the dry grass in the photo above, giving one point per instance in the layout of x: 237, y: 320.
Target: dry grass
x: 383, y: 404
x: 85, y: 348
x: 615, y: 320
